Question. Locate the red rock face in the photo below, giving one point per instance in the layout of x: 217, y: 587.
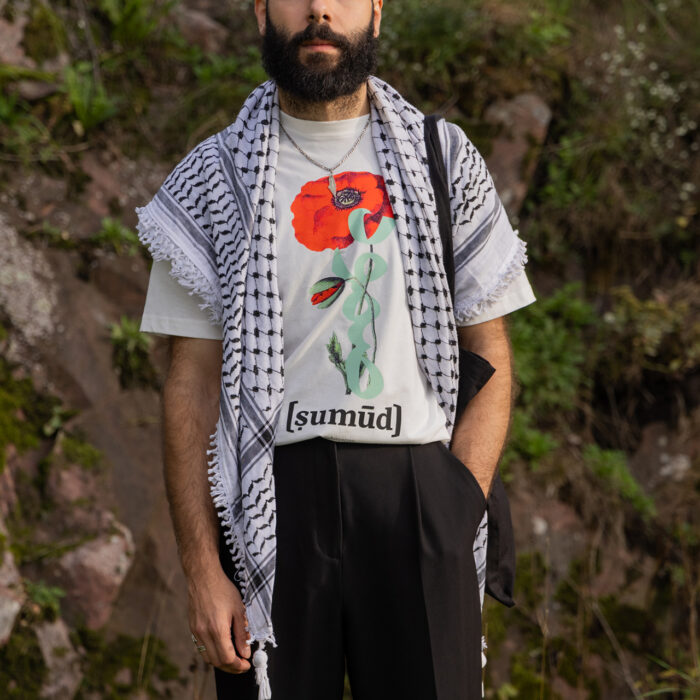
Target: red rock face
x: 93, y: 574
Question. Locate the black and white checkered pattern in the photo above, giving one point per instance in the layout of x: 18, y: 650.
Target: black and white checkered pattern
x: 214, y: 219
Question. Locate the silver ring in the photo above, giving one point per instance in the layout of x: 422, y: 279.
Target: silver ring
x: 200, y: 647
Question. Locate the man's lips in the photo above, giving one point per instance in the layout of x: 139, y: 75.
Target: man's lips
x: 319, y: 45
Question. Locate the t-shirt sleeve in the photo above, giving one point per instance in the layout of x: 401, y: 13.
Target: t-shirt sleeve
x: 489, y: 255
x: 518, y: 294
x: 176, y: 227
x: 170, y: 310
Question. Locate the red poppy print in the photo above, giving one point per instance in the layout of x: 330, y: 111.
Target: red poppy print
x: 320, y: 219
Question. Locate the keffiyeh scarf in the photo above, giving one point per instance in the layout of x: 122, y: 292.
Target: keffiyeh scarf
x: 214, y: 219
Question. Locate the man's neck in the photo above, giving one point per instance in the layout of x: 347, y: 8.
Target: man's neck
x: 347, y: 107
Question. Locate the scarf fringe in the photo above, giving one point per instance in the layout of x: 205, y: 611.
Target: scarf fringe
x: 162, y: 248
x: 473, y: 307
x: 221, y: 504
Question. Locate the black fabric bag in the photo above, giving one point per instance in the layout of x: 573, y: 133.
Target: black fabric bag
x: 474, y: 372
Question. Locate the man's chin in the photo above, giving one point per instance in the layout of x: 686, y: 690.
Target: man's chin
x: 319, y: 61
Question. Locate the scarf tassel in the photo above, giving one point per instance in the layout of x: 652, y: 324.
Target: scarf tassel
x: 261, y: 678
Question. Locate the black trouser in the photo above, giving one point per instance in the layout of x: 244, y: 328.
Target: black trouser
x: 375, y: 568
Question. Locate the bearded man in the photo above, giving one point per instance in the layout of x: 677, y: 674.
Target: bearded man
x: 310, y: 402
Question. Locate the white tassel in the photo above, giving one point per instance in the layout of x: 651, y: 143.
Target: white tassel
x: 483, y: 662
x: 260, y: 663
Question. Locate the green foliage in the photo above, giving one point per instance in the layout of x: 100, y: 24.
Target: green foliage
x: 546, y: 28
x: 550, y: 350
x: 660, y: 334
x: 220, y: 82
x: 610, y: 466
x: 47, y: 597
x: 569, y: 180
x: 22, y: 134
x: 551, y: 353
x: 116, y: 237
x: 617, y: 185
x: 146, y: 657
x: 429, y: 40
x: 130, y: 357
x: 526, y: 442
x: 676, y: 681
x: 87, y: 96
x: 134, y: 21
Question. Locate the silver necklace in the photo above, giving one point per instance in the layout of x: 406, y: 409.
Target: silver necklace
x: 331, y: 180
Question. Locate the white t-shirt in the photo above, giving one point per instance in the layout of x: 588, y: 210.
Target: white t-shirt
x: 351, y: 371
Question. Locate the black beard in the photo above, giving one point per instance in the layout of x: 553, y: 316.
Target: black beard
x: 316, y: 82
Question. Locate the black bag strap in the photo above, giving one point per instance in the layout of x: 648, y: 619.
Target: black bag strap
x: 438, y: 176
x: 474, y: 372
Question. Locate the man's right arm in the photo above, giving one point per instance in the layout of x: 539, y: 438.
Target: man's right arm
x: 190, y: 412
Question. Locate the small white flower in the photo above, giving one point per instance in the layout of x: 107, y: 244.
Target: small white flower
x: 641, y: 27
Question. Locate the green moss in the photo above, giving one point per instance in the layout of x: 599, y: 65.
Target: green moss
x: 104, y: 658
x: 27, y: 550
x: 44, y: 34
x: 611, y: 467
x: 22, y: 668
x: 77, y: 450
x: 23, y: 412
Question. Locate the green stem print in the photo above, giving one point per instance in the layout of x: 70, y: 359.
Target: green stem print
x: 361, y: 375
